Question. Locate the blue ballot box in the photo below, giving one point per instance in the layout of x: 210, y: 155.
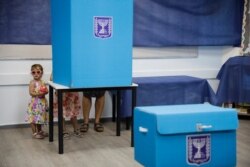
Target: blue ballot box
x: 185, y: 135
x: 92, y: 42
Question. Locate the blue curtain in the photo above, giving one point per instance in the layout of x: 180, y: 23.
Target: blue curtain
x: 25, y: 22
x: 187, y: 22
x: 156, y: 22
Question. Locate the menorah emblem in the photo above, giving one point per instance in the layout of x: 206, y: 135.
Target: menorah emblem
x: 199, y: 144
x: 198, y: 149
x: 103, y: 27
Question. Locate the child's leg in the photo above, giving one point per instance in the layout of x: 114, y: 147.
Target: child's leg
x: 65, y: 133
x: 74, y: 123
x: 38, y: 128
x: 76, y: 127
x: 33, y: 128
x: 40, y: 131
x: 37, y: 135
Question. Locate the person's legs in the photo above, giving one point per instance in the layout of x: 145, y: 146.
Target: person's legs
x: 74, y: 123
x: 40, y: 131
x: 99, y: 106
x: 33, y: 128
x: 37, y: 135
x: 86, y: 106
x: 75, y: 127
x: 65, y: 132
x: 38, y: 128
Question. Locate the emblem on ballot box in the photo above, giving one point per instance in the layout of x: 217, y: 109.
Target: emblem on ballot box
x: 198, y: 149
x: 103, y: 26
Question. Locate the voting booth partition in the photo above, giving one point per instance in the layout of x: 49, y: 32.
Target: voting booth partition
x: 185, y: 135
x: 92, y: 42
x: 91, y: 50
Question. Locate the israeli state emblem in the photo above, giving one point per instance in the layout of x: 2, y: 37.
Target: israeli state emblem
x: 103, y: 26
x: 198, y: 149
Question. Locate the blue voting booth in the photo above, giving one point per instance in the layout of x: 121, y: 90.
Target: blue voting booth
x: 185, y: 135
x: 92, y: 42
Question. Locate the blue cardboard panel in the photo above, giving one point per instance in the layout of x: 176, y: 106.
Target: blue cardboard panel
x: 97, y: 48
x: 61, y: 41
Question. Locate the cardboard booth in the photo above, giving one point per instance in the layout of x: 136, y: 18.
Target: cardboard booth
x: 92, y: 42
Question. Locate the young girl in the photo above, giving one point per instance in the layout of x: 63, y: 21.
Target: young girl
x: 38, y: 105
x: 71, y: 109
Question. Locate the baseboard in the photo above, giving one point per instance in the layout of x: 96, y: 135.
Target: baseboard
x: 25, y: 125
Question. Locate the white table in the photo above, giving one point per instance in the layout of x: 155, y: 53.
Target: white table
x: 61, y: 88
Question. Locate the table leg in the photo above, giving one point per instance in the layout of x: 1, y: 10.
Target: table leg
x: 114, y: 109
x: 118, y: 119
x: 51, y: 123
x: 128, y: 119
x: 132, y: 115
x: 60, y: 122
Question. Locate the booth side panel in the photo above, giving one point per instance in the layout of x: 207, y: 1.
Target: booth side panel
x: 61, y: 47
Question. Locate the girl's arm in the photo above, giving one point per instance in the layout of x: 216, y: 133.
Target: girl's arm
x: 32, y: 90
x: 44, y: 89
x: 40, y: 93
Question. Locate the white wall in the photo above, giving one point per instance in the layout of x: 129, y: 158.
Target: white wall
x: 15, y: 72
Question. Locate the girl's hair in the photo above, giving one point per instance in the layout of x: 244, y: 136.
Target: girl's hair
x: 35, y: 66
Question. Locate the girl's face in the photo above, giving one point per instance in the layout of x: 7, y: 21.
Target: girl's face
x: 36, y: 73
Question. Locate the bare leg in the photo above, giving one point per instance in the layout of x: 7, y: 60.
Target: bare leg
x: 99, y: 106
x: 38, y: 128
x: 33, y: 128
x: 74, y: 123
x: 65, y: 133
x: 37, y: 134
x: 86, y: 106
x: 76, y: 127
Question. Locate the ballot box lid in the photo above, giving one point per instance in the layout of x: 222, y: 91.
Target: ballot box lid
x: 191, y: 118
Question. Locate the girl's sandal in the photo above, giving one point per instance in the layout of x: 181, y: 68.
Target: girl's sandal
x: 98, y: 127
x: 84, y: 127
x: 77, y: 133
x: 66, y: 135
x: 37, y: 136
x: 44, y: 134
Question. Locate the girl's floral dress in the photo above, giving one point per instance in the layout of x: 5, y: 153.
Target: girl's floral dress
x: 38, y: 107
x: 71, y: 105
